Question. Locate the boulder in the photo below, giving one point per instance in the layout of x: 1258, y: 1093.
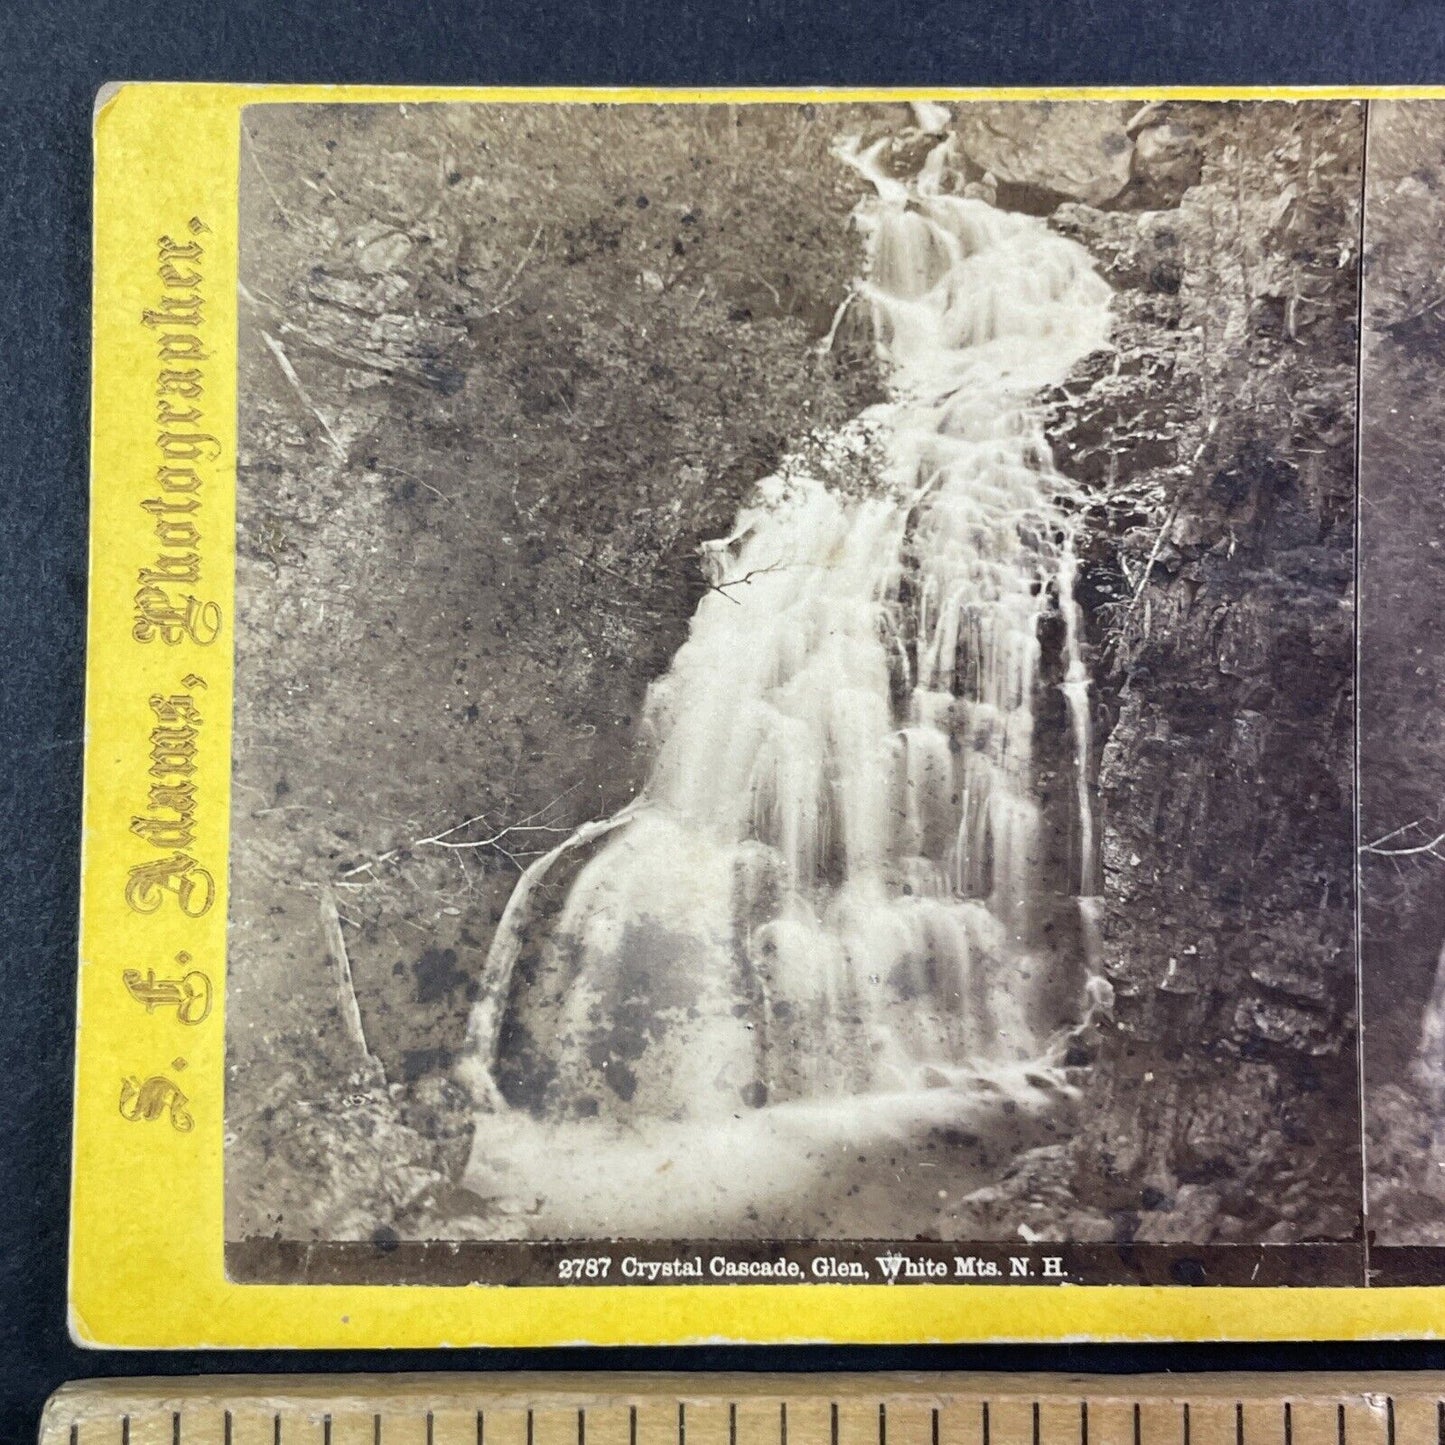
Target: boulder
x: 1166, y: 161
x: 1044, y: 154
x: 905, y: 152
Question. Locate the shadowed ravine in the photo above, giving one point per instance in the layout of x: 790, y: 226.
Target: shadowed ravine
x: 852, y: 907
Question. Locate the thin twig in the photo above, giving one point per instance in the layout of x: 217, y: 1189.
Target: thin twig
x: 502, y: 296
x: 250, y: 149
x: 1412, y: 852
x: 303, y: 341
x: 528, y: 824
x: 742, y: 581
x: 345, y: 990
x: 1168, y: 522
x: 1394, y: 833
x: 1428, y: 309
x: 420, y: 481
x: 441, y: 841
x: 289, y: 372
x: 603, y: 567
x: 362, y: 867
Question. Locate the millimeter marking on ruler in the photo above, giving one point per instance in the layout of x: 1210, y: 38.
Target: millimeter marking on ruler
x: 679, y: 1409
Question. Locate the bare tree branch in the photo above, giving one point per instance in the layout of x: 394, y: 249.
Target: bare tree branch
x: 1427, y: 849
x: 289, y: 372
x: 743, y: 581
x: 504, y: 295
x: 498, y: 840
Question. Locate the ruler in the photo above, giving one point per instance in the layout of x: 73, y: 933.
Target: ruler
x: 707, y: 1409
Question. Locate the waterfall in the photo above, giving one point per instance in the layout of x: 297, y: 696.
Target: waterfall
x: 1428, y: 1066
x: 846, y: 875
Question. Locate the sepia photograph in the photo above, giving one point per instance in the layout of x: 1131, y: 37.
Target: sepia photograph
x: 795, y: 696
x: 1402, y: 684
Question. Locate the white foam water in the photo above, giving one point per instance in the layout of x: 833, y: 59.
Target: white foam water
x: 838, y: 892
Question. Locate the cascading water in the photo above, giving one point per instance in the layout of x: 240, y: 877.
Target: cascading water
x: 1428, y: 1066
x: 843, y: 886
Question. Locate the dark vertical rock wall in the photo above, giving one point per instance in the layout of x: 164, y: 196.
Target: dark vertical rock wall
x: 1217, y: 444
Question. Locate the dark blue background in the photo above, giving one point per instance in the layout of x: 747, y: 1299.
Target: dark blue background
x: 52, y: 59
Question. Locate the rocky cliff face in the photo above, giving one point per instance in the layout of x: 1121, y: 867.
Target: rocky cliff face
x: 1217, y: 442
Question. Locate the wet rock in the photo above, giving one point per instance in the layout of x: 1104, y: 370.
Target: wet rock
x: 1299, y: 979
x: 1220, y: 1130
x: 1192, y: 1217
x: 1154, y: 113
x: 1090, y: 1226
x: 1140, y: 250
x: 984, y: 189
x: 1212, y: 446
x: 1178, y: 978
x: 1036, y: 1191
x: 1284, y: 1024
x: 1166, y: 161
x: 1045, y: 154
x: 903, y: 154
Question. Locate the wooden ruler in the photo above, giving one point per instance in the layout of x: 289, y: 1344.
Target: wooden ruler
x: 702, y: 1409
